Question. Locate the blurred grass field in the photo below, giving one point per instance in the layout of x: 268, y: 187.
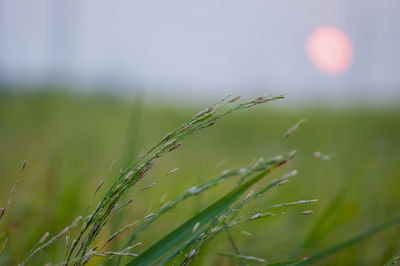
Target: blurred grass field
x: 72, y: 141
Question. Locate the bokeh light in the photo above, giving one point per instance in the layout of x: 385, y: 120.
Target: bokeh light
x: 330, y: 49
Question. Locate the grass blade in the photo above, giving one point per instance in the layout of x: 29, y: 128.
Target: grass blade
x: 173, y: 239
x: 351, y: 241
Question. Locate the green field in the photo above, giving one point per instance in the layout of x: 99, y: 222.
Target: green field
x: 71, y: 142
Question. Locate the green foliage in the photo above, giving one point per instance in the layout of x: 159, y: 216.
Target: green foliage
x: 78, y: 138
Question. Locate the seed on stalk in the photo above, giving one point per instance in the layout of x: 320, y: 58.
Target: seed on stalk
x: 210, y: 124
x: 130, y: 201
x: 195, y: 227
x: 164, y: 206
x: 175, y: 146
x: 259, y: 100
x: 246, y: 233
x: 67, y: 241
x: 215, y: 229
x: 163, y: 197
x: 167, y: 137
x: 149, y: 216
x: 258, y: 162
x: 291, y: 154
x: 290, y: 174
x: 186, y: 127
x: 129, y: 176
x: 193, y: 190
x: 23, y: 166
x: 73, y: 243
x: 232, y: 223
x: 277, y: 158
x: 317, y: 154
x: 234, y: 99
x: 225, y: 172
x: 192, y: 253
x: 100, y: 185
x: 242, y: 170
x: 201, y: 235
x: 283, y: 182
x: 307, y: 212
x: 205, y: 111
x: 173, y: 171
x: 294, y: 128
x: 44, y: 237
x: 150, y: 186
x: 249, y: 195
x: 204, y: 118
x: 255, y: 216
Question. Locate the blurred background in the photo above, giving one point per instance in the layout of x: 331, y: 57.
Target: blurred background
x: 89, y: 84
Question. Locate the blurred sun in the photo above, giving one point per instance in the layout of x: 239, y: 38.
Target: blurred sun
x: 330, y: 49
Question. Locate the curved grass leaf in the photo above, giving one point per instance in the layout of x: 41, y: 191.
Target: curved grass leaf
x: 351, y: 241
x: 176, y: 237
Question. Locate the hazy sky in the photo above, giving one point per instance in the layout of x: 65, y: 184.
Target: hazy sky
x: 199, y: 48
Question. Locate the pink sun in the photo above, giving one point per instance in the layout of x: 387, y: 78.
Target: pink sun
x: 330, y: 49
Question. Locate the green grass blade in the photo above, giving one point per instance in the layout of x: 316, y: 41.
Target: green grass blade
x: 351, y: 241
x: 321, y: 223
x: 174, y: 239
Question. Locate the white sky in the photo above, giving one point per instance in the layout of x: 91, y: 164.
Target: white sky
x: 199, y: 48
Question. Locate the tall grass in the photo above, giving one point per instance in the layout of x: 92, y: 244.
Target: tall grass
x: 188, y: 241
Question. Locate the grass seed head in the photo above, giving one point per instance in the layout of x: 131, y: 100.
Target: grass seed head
x: 195, y: 227
x: 292, y: 154
x: 193, y: 190
x: 255, y: 216
x: 246, y: 233
x: 44, y: 237
x: 283, y: 182
x: 290, y: 174
x: 242, y: 170
x: 249, y: 195
x: 277, y: 158
x: 215, y: 229
x: 173, y: 171
x: 100, y: 185
x: 234, y: 99
x: 129, y: 176
x: 192, y: 253
x: 130, y: 201
x: 186, y: 127
x: 177, y: 145
x: 294, y: 128
x: 23, y: 166
x: 225, y: 172
x: 167, y: 136
x: 149, y: 216
x: 259, y: 100
x: 317, y: 154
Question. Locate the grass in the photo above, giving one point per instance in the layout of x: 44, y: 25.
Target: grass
x: 358, y: 194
